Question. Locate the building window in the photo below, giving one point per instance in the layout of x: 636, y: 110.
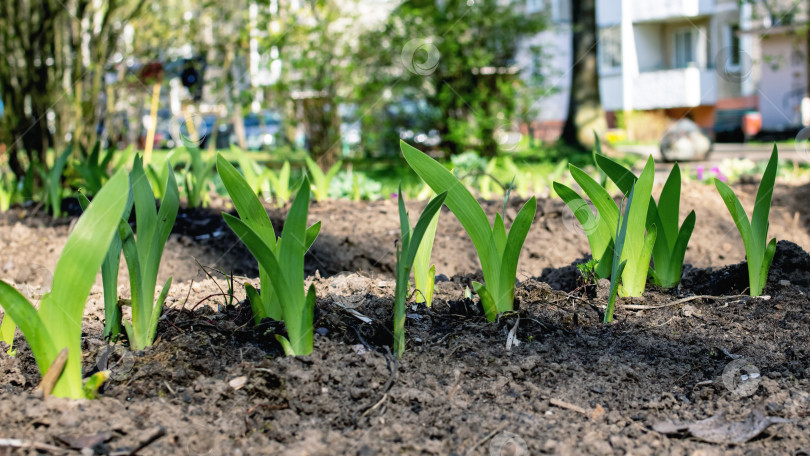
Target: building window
x: 734, y: 40
x: 610, y: 48
x: 534, y: 6
x: 561, y: 10
x: 685, y: 48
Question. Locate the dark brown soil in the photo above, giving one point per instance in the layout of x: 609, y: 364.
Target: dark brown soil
x: 217, y: 385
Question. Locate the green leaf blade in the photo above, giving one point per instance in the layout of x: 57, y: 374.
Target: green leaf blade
x: 75, y: 272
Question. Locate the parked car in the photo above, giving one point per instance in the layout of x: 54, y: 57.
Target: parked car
x: 262, y: 130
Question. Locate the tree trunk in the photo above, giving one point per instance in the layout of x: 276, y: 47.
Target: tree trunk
x: 585, y: 114
x: 322, y: 128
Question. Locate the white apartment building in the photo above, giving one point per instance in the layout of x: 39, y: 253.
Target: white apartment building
x: 671, y: 58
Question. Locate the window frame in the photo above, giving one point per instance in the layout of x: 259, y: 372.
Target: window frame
x: 694, y: 38
x: 610, y: 49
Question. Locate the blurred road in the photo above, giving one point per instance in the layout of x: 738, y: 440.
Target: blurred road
x: 755, y: 152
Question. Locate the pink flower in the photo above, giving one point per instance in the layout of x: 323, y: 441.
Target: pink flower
x: 719, y: 174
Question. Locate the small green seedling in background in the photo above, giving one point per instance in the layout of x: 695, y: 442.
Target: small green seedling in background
x: 94, y: 169
x: 159, y: 175
x: 285, y: 265
x: 486, y: 180
x: 256, y: 176
x: 54, y: 182
x: 281, y: 184
x: 142, y: 253
x: 410, y: 244
x: 198, y: 177
x: 265, y: 304
x: 424, y: 273
x: 670, y: 244
x: 618, y: 264
x: 600, y: 228
x: 57, y: 325
x: 588, y: 271
x: 8, y: 190
x: 758, y: 251
x: 497, y: 251
x: 321, y: 180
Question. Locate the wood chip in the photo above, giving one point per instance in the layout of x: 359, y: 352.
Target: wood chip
x: 718, y: 429
x: 50, y: 377
x: 568, y: 406
x: 22, y: 445
x: 238, y: 382
x: 597, y: 412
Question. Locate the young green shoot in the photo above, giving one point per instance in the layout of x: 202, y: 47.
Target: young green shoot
x: 54, y: 181
x: 109, y: 277
x: 424, y: 273
x: 671, y: 242
x: 618, y: 264
x: 94, y: 169
x: 57, y: 325
x: 198, y: 177
x: 498, y: 251
x: 8, y: 190
x: 142, y: 253
x: 159, y: 175
x: 7, y: 330
x: 321, y: 180
x: 600, y: 227
x: 264, y: 304
x: 588, y: 271
x: 284, y: 264
x: 256, y: 176
x: 758, y: 251
x: 410, y: 243
x: 281, y: 184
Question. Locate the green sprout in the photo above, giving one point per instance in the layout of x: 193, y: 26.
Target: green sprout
x: 281, y: 184
x: 109, y: 276
x: 198, y: 177
x: 498, y: 251
x: 159, y: 175
x: 411, y: 242
x: 57, y: 325
x: 321, y: 180
x: 758, y: 251
x: 256, y: 176
x: 54, y: 182
x: 8, y: 190
x: 424, y: 274
x: 265, y: 304
x: 670, y: 244
x: 282, y: 258
x: 143, y: 253
x: 618, y: 264
x: 588, y: 271
x: 7, y: 329
x: 601, y: 232
x: 93, y: 169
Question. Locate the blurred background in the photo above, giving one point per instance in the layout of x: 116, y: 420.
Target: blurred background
x: 345, y: 80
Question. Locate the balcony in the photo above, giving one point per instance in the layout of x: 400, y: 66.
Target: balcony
x: 662, y: 10
x: 661, y: 89
x: 678, y: 88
